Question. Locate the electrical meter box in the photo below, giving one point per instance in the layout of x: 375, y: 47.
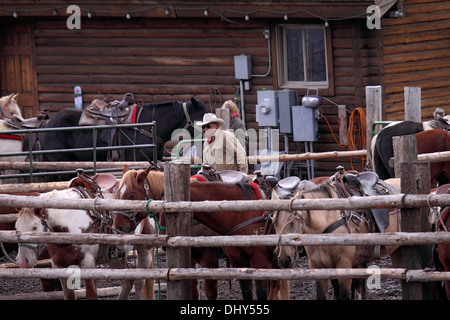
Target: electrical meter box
x: 243, y: 67
x: 305, y: 123
x: 267, y: 108
x: 286, y: 99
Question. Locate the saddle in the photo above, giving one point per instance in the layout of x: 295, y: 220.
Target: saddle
x: 362, y: 184
x: 30, y: 123
x: 102, y: 185
x: 99, y: 112
x: 228, y: 176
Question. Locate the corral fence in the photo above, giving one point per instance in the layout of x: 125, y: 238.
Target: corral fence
x: 415, y: 238
x: 31, y: 166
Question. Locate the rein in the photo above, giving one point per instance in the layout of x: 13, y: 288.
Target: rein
x: 2, y: 113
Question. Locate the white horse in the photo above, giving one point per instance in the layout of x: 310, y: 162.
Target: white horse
x: 83, y: 256
x: 9, y: 143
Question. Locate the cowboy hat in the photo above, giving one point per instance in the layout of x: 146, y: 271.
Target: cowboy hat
x: 210, y: 118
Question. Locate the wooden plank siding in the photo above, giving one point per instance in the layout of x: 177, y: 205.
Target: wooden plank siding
x: 162, y: 60
x: 155, y: 60
x: 416, y: 54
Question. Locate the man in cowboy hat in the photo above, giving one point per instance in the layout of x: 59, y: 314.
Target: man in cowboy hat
x: 221, y: 150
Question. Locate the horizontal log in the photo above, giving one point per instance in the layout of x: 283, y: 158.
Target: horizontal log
x: 40, y: 166
x: 369, y: 202
x: 429, y: 157
x: 175, y: 274
x: 291, y: 239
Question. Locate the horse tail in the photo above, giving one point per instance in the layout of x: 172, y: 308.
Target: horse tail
x: 149, y: 285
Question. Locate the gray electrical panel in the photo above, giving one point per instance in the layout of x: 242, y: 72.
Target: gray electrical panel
x: 267, y: 108
x: 305, y: 123
x: 243, y: 67
x: 286, y: 99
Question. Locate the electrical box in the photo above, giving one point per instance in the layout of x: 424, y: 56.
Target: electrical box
x: 243, y: 67
x: 267, y: 108
x: 305, y: 123
x: 286, y: 99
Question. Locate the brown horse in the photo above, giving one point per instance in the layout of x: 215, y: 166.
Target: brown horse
x: 133, y: 187
x: 320, y: 221
x: 225, y: 223
x: 441, y: 222
x: 435, y: 140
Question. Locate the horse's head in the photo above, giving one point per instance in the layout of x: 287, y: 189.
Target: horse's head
x: 287, y: 222
x: 196, y: 109
x: 29, y: 219
x: 9, y: 107
x: 135, y: 185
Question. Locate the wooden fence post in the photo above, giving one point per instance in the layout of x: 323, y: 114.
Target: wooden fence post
x: 413, y: 104
x: 176, y: 188
x: 374, y: 111
x: 415, y: 179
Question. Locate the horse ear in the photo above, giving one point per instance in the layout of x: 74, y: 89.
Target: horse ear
x: 275, y: 195
x: 125, y: 168
x: 148, y: 170
x: 194, y: 102
x: 15, y: 96
x: 142, y: 176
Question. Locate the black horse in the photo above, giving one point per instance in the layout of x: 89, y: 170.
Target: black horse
x: 169, y: 116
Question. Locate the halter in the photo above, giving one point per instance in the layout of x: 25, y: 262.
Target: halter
x: 36, y: 248
x: 189, y: 122
x: 132, y: 216
x: 2, y: 113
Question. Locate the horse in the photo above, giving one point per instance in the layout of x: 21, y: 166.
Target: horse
x: 382, y: 149
x: 132, y: 186
x: 9, y: 143
x: 435, y: 140
x: 329, y: 221
x: 224, y: 223
x: 9, y: 107
x: 63, y: 256
x: 169, y: 116
x: 440, y: 219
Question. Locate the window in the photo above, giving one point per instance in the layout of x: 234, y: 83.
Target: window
x: 303, y: 58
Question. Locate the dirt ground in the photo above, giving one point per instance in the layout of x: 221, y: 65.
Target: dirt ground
x: 389, y: 289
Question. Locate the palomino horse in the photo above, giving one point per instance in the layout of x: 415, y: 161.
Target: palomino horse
x: 320, y: 221
x: 63, y: 256
x: 225, y: 223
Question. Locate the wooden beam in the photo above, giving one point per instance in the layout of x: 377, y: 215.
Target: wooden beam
x: 176, y: 188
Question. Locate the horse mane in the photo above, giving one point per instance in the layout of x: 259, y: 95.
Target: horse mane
x: 325, y: 187
x: 155, y: 180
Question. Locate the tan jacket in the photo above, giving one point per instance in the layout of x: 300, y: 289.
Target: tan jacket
x: 225, y: 152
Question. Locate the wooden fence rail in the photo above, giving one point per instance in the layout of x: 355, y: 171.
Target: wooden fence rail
x: 176, y: 274
x: 352, y: 203
x: 290, y: 239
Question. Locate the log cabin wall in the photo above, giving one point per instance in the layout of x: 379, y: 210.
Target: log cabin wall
x: 416, y: 54
x: 159, y: 60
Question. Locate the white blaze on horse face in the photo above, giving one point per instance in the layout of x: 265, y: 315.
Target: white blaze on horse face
x: 27, y: 221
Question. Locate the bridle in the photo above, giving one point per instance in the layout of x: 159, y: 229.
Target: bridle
x: 132, y: 216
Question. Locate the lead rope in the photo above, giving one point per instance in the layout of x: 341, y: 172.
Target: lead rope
x: 158, y: 230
